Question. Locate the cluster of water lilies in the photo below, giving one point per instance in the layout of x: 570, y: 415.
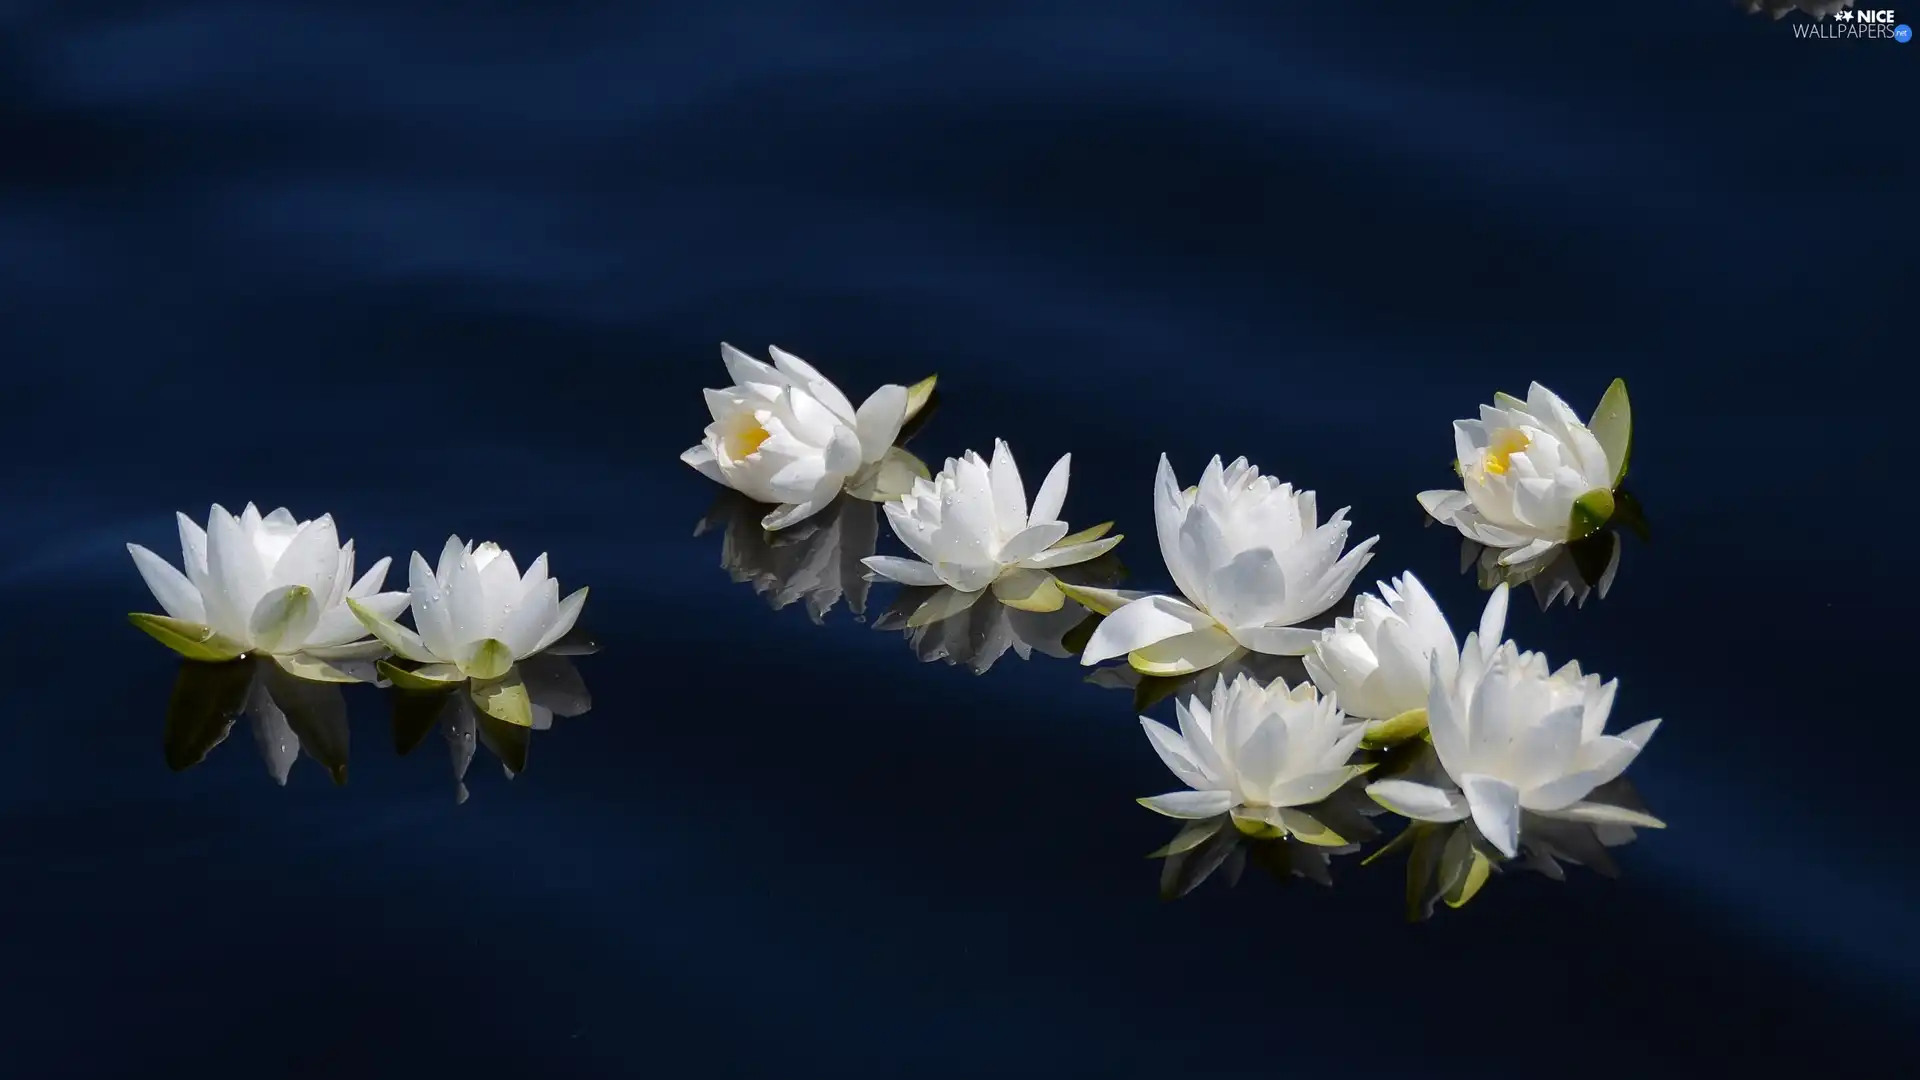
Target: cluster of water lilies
x: 1493, y: 755
x: 269, y: 609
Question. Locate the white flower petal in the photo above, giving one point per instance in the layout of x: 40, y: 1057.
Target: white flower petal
x: 526, y: 626
x: 429, y: 604
x: 176, y: 595
x: 1031, y: 542
x: 791, y: 514
x: 1191, y: 805
x: 1174, y: 752
x: 1141, y: 623
x: 1496, y: 810
x: 563, y: 622
x: 701, y: 457
x: 283, y: 618
x: 904, y: 571
x: 1185, y: 653
x: 404, y: 642
x: 1276, y: 640
x: 1421, y: 802
x: 1052, y: 494
x: 338, y: 625
x: 878, y: 421
x: 1072, y: 554
x: 816, y: 384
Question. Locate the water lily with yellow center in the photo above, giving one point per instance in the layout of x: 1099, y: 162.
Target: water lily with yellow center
x: 785, y: 434
x: 1533, y: 477
x: 267, y: 585
x: 1252, y: 559
x: 974, y: 529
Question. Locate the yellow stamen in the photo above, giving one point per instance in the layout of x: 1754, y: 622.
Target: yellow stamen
x: 745, y: 440
x: 1505, y: 443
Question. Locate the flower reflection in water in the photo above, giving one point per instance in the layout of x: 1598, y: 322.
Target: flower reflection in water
x: 288, y: 715
x: 974, y: 630
x: 467, y: 718
x: 1570, y: 573
x: 1451, y: 862
x: 1219, y: 846
x: 817, y: 560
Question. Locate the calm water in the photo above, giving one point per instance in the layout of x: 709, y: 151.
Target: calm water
x: 440, y: 268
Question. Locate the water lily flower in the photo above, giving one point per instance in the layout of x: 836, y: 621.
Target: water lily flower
x: 785, y: 434
x: 1252, y: 559
x: 1534, y: 476
x: 1377, y: 662
x: 269, y: 585
x: 477, y: 615
x: 1514, y: 737
x: 974, y: 528
x: 1258, y: 753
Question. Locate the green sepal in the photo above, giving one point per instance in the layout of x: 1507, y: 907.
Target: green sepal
x: 1095, y: 599
x: 1394, y: 730
x: 411, y: 679
x: 917, y: 397
x: 1257, y: 829
x: 1315, y: 832
x: 191, y: 640
x: 1590, y: 512
x: 1612, y: 425
x: 1085, y: 536
x: 492, y: 660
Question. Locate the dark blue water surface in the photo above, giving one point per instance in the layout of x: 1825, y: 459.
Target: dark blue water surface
x: 465, y: 268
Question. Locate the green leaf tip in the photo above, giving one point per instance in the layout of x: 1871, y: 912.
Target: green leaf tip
x: 191, y: 640
x: 919, y: 394
x: 1612, y: 425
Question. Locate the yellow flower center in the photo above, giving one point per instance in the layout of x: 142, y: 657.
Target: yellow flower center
x: 1505, y: 443
x: 745, y: 440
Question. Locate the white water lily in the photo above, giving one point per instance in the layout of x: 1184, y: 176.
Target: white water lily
x: 1252, y: 559
x: 1515, y: 737
x: 1257, y: 752
x: 785, y: 434
x: 1381, y: 662
x: 1534, y: 476
x: 477, y: 614
x: 974, y: 529
x: 270, y: 585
